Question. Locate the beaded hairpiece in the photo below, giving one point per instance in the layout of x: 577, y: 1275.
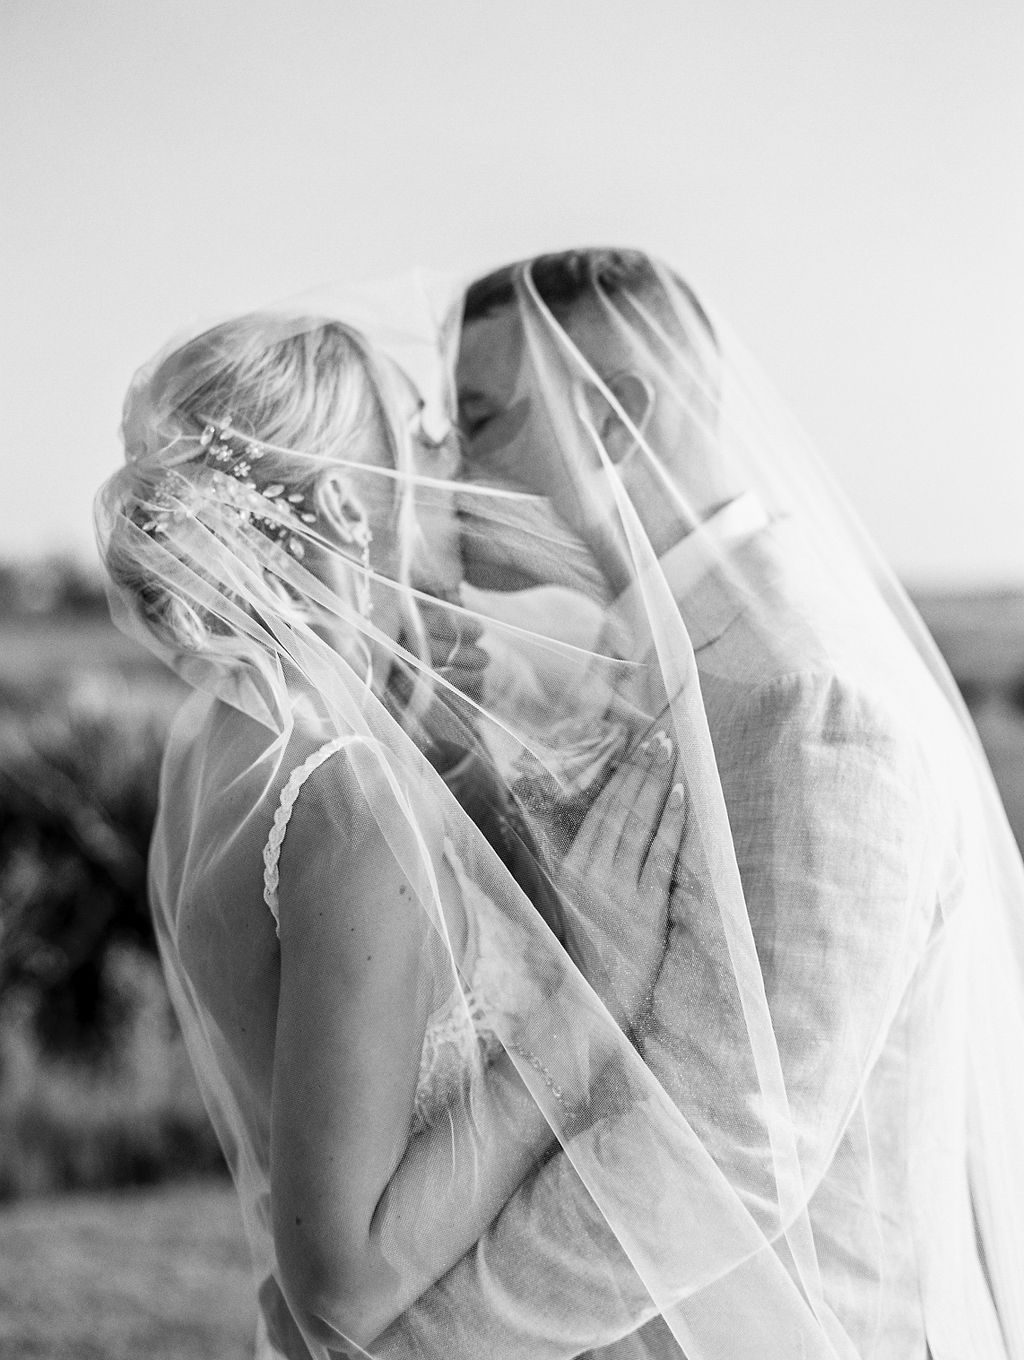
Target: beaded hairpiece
x: 233, y: 457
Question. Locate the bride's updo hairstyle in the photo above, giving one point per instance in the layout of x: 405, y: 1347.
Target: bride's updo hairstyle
x: 248, y: 502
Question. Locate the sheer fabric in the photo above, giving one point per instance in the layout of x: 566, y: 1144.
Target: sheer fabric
x: 798, y: 1129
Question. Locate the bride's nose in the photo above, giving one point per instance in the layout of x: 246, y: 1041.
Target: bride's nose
x: 444, y: 453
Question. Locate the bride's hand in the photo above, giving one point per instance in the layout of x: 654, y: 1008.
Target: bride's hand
x: 618, y: 874
x: 456, y: 656
x: 455, y: 651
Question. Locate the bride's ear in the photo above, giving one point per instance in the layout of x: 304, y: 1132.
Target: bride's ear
x: 341, y: 513
x: 328, y: 498
x: 634, y: 395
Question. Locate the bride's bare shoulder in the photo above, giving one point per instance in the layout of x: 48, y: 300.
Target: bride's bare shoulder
x: 211, y: 742
x: 343, y: 793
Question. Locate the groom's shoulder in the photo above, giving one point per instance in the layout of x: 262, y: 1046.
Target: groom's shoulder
x: 823, y: 751
x: 788, y: 626
x: 803, y: 666
x: 814, y: 704
x: 785, y: 644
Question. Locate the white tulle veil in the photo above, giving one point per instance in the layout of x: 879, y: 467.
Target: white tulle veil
x: 704, y: 1162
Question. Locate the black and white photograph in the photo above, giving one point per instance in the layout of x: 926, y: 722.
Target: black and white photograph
x: 511, y: 680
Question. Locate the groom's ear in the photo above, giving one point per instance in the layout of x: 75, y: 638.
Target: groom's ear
x: 634, y: 396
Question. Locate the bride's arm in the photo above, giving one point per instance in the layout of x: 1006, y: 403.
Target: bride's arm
x: 347, y: 1180
x: 366, y: 1218
x: 454, y: 1180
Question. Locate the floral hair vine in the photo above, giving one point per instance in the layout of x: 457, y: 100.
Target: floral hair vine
x: 232, y: 458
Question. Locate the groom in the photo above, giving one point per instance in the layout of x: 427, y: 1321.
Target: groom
x: 841, y: 842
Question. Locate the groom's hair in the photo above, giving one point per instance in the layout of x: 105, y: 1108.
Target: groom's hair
x: 566, y: 278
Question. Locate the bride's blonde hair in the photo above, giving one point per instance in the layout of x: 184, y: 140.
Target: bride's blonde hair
x: 248, y: 415
x: 305, y: 384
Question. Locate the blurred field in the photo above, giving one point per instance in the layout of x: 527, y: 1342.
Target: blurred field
x: 46, y: 658
x: 157, y: 1275
x: 982, y: 640
x: 95, y: 1088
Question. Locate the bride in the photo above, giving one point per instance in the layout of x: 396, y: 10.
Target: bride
x: 651, y: 990
x: 348, y: 958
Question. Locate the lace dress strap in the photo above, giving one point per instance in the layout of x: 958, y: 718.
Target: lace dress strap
x: 282, y: 816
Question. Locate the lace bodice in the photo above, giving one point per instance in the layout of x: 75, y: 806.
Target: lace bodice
x: 460, y: 1037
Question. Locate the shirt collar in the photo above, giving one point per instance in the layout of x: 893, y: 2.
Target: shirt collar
x: 685, y: 565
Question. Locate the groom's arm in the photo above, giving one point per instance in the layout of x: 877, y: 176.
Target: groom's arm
x: 836, y: 828
x: 549, y: 1279
x: 832, y: 836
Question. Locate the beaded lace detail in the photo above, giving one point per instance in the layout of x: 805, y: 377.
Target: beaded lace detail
x: 459, y: 1039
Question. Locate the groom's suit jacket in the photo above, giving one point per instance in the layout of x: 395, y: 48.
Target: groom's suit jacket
x: 846, y: 841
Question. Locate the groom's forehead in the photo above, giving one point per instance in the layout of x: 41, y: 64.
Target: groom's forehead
x: 491, y: 353
x: 493, y: 362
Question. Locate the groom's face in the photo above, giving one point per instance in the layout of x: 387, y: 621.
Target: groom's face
x: 507, y: 418
x: 507, y: 440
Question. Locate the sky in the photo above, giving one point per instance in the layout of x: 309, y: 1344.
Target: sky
x: 845, y: 183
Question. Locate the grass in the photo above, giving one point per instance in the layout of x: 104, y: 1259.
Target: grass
x: 147, y: 1275
x: 42, y: 657
x: 134, y: 1118
x: 982, y: 640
